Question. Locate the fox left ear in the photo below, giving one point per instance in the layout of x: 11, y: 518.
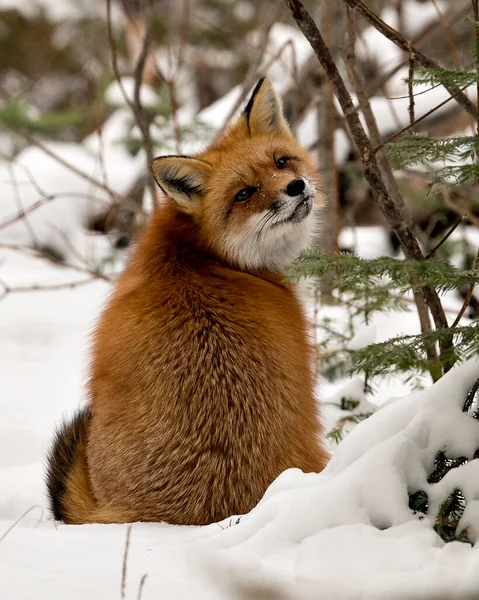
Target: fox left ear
x: 182, y: 178
x: 264, y: 113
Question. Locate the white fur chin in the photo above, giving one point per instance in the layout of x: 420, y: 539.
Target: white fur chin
x: 274, y: 247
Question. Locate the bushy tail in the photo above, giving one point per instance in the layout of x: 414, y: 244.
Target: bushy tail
x: 71, y: 497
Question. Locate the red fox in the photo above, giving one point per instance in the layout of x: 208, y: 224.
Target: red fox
x: 201, y: 387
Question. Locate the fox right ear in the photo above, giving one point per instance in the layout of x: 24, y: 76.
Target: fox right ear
x: 264, y: 112
x: 182, y: 178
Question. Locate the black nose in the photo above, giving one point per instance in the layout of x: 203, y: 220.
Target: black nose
x: 295, y: 187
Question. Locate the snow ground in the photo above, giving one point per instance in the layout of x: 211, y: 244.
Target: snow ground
x: 347, y: 533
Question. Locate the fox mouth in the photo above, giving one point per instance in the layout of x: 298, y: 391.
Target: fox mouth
x: 302, y: 209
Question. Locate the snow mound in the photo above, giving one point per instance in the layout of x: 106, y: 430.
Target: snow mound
x: 309, y: 531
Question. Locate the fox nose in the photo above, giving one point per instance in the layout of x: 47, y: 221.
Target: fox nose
x: 295, y: 187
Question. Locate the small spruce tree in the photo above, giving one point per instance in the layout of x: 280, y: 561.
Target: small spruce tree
x: 365, y: 287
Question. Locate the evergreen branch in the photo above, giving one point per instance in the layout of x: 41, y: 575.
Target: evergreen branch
x: 456, y: 77
x: 353, y: 274
x: 459, y: 175
x: 409, y: 352
x: 415, y: 148
x: 337, y: 433
x: 470, y: 397
x: 368, y: 158
x: 448, y: 516
x: 443, y: 464
x: 419, y: 502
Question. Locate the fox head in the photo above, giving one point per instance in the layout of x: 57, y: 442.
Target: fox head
x: 252, y: 193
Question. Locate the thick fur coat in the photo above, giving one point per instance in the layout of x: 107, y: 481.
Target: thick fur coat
x: 201, y: 387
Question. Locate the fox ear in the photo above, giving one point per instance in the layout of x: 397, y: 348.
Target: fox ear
x: 264, y: 113
x: 182, y: 178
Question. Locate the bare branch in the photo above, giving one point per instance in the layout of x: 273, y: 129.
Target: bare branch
x: 52, y: 287
x: 96, y: 182
x: 366, y: 152
x: 252, y: 73
x: 407, y: 46
x: 383, y: 162
x: 446, y: 237
x: 125, y: 561
x: 44, y: 255
x: 412, y: 116
x: 468, y: 297
x: 424, y: 116
x: 141, y: 585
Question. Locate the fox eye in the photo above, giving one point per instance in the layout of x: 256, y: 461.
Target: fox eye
x: 244, y: 194
x: 282, y: 162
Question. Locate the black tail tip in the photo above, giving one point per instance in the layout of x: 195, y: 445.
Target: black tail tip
x: 69, y: 437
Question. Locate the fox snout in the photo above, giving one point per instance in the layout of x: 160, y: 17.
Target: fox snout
x: 294, y: 203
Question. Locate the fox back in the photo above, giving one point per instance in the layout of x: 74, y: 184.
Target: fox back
x: 201, y: 388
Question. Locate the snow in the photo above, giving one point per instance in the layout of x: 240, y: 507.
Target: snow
x: 286, y: 52
x: 59, y: 10
x: 306, y: 533
x: 58, y: 201
x: 218, y: 112
x: 115, y: 93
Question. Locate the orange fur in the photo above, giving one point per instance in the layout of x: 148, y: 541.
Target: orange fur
x: 201, y: 387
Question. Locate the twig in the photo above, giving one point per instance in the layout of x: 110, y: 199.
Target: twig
x: 326, y: 124
x: 134, y: 104
x: 425, y: 322
x: 407, y: 46
x: 427, y: 36
x: 468, y: 297
x: 96, y: 182
x: 53, y: 287
x: 460, y: 207
x: 140, y: 587
x: 358, y: 86
x: 279, y: 56
x: 424, y: 116
x: 371, y: 169
x: 17, y: 521
x: 448, y: 234
x: 18, y: 200
x: 253, y: 68
x: 42, y: 254
x: 410, y: 80
x: 447, y: 31
x: 125, y: 562
x: 141, y: 117
x: 89, y: 267
x: 185, y: 30
x: 21, y: 214
x: 475, y: 8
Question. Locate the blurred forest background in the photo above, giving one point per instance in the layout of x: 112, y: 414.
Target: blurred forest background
x: 91, y: 91
x: 60, y: 64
